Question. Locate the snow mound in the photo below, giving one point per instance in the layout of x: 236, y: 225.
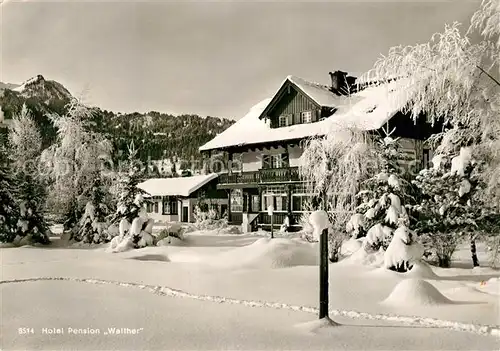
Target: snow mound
x: 351, y: 246
x: 269, y: 253
x: 416, y: 292
x: 365, y: 258
x: 315, y: 325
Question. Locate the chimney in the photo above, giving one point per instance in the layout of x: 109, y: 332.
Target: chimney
x: 338, y: 81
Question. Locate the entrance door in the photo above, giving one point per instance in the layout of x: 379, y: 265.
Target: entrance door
x: 185, y: 213
x: 223, y: 210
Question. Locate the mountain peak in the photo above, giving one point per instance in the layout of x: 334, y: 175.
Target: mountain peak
x: 39, y: 87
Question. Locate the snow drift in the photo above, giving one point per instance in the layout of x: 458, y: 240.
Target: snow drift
x: 269, y: 253
x: 415, y: 292
x: 491, y: 286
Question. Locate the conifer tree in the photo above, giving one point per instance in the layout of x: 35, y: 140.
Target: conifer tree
x: 92, y: 227
x: 382, y: 198
x: 453, y: 206
x: 129, y: 193
x: 25, y: 147
x: 9, y: 211
x: 135, y: 227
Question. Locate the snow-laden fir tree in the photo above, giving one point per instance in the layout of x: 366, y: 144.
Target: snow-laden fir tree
x: 453, y: 206
x: 9, y: 211
x: 72, y: 162
x: 135, y: 228
x: 25, y: 144
x: 128, y: 205
x: 382, y: 198
x: 92, y: 227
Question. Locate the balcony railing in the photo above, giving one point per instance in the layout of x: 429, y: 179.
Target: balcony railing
x: 278, y: 175
x: 268, y: 175
x: 239, y: 178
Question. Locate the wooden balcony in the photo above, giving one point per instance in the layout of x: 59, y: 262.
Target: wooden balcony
x: 262, y: 176
x: 232, y: 180
x: 279, y: 175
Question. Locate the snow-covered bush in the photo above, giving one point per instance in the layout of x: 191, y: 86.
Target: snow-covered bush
x: 173, y: 231
x: 403, y: 251
x: 208, y: 219
x: 307, y: 229
x: 337, y: 234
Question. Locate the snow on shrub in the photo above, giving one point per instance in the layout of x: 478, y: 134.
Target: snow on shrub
x: 174, y: 230
x: 208, y: 219
x: 403, y: 251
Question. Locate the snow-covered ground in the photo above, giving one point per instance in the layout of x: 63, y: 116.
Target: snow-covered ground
x: 237, y: 292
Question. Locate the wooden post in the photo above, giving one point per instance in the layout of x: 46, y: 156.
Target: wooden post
x: 270, y: 212
x: 323, y: 269
x: 272, y: 226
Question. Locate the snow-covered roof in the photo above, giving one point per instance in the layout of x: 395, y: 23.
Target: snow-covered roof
x: 368, y: 109
x: 321, y: 94
x: 181, y: 186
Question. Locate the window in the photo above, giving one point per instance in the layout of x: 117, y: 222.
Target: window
x: 302, y: 198
x: 300, y: 203
x: 170, y: 205
x: 236, y: 163
x: 280, y: 203
x: 275, y: 196
x: 283, y: 120
x: 275, y: 161
x: 306, y: 117
x: 156, y: 207
x: 236, y: 200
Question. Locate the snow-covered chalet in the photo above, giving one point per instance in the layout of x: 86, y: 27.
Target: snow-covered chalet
x: 175, y: 199
x: 264, y: 147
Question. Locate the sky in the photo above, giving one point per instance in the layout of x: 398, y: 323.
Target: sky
x: 214, y: 58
